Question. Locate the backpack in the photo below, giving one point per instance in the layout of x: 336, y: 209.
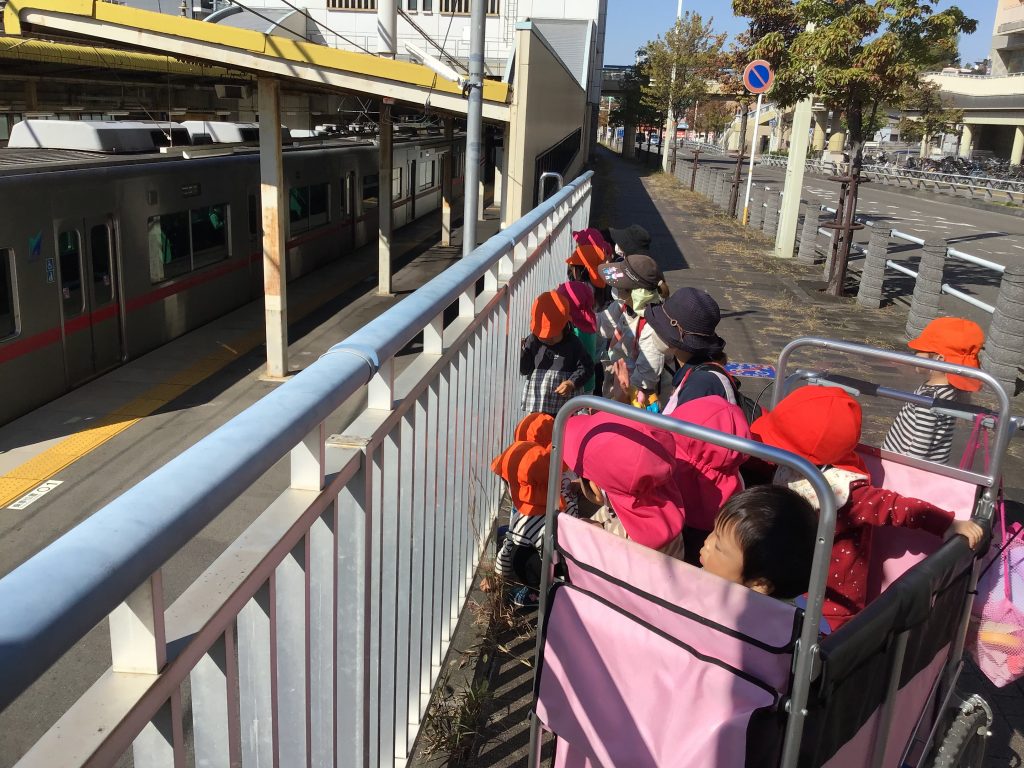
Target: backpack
x: 750, y: 407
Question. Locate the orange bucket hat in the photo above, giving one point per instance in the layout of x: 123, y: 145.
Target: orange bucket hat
x: 549, y: 316
x: 536, y: 428
x: 524, y: 466
x: 958, y: 341
x: 591, y: 257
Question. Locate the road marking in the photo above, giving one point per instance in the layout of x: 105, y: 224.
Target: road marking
x: 34, y: 496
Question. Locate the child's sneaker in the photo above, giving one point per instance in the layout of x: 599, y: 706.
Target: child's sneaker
x: 526, y: 598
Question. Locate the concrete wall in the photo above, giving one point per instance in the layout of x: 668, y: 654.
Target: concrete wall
x: 1007, y: 38
x: 548, y: 105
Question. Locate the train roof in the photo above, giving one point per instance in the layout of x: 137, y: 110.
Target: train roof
x: 107, y: 136
x: 224, y: 132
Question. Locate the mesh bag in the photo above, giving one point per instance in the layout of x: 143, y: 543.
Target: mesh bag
x: 995, y: 636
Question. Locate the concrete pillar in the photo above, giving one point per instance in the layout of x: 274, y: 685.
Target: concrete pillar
x: 870, y: 292
x: 722, y: 190
x: 387, y: 28
x: 836, y: 142
x: 966, y: 141
x: 808, y: 253
x: 447, y: 187
x: 275, y: 253
x: 925, y: 146
x: 925, y: 303
x: 785, y: 238
x: 820, y: 118
x: 771, y: 214
x: 385, y: 212
x: 1018, y: 146
x: 31, y: 94
x: 756, y: 217
x: 1003, y: 353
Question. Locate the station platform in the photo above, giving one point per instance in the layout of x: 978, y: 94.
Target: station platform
x: 103, y: 437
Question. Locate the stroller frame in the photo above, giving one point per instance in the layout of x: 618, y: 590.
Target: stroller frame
x: 807, y: 661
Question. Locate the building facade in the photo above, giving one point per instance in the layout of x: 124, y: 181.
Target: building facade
x: 1008, y: 38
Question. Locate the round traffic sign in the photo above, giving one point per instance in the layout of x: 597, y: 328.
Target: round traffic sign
x: 758, y: 76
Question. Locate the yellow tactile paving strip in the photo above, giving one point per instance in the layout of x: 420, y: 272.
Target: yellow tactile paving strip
x: 40, y: 468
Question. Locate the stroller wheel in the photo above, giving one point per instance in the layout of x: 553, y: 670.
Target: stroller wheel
x: 965, y: 741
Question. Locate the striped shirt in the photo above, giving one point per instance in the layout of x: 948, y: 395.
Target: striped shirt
x: 526, y: 531
x: 921, y: 432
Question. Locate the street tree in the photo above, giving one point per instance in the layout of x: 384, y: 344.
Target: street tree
x: 925, y: 114
x: 714, y: 117
x: 679, y: 65
x: 860, y: 56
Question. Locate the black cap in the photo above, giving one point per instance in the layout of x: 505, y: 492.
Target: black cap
x: 635, y: 271
x: 632, y: 239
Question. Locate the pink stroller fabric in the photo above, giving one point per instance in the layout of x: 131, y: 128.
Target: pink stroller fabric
x: 895, y: 550
x: 648, y: 661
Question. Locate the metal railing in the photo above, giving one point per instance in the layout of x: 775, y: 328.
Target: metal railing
x: 983, y: 187
x: 950, y: 253
x: 318, y: 635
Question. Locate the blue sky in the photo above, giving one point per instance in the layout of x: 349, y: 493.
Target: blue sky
x: 631, y: 23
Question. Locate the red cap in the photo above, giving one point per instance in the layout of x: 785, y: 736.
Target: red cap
x: 535, y: 428
x: 549, y: 316
x: 958, y: 341
x: 633, y: 465
x: 524, y: 466
x: 822, y: 424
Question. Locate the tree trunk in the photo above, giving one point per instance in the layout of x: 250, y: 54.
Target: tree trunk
x: 855, y: 125
x: 737, y: 177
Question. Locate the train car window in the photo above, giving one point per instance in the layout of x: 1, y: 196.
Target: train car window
x: 298, y: 208
x: 425, y: 171
x: 69, y: 247
x: 396, y: 183
x: 8, y: 318
x: 346, y: 196
x: 209, y: 234
x: 102, y: 271
x: 319, y: 205
x: 170, y: 251
x: 371, y: 191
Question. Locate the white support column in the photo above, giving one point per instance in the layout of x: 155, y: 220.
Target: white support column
x: 384, y: 209
x: 789, y: 216
x: 275, y: 254
x: 387, y: 28
x: 447, y: 168
x: 1018, y: 146
x: 966, y: 141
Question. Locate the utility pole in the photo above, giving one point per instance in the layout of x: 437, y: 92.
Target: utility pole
x: 474, y: 124
x: 672, y: 122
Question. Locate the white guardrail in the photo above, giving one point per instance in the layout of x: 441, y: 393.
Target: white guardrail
x: 318, y: 635
x: 982, y: 187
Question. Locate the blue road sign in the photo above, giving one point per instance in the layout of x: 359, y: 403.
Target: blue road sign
x: 758, y: 76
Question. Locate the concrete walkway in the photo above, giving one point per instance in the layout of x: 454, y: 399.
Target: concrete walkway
x: 765, y: 304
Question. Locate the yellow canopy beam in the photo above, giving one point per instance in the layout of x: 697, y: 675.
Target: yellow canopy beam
x: 265, y: 55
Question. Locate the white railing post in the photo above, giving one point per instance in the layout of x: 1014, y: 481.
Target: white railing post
x: 380, y: 394
x: 307, y: 461
x: 138, y: 643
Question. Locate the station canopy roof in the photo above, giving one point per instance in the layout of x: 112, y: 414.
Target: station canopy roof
x: 139, y: 39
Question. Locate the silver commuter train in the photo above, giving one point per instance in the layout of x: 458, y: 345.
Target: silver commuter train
x: 104, y: 258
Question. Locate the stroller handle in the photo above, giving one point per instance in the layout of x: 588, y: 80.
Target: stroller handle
x: 806, y: 653
x: 1004, y: 422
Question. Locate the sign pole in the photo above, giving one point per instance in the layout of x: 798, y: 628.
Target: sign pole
x: 753, y: 150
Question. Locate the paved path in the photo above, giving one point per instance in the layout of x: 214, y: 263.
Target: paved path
x: 765, y: 303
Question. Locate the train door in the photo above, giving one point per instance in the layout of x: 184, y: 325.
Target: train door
x: 90, y: 310
x: 413, y: 183
x: 348, y: 211
x: 254, y: 252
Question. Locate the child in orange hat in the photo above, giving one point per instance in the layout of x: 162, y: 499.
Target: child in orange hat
x: 823, y: 425
x: 921, y: 432
x: 553, y: 361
